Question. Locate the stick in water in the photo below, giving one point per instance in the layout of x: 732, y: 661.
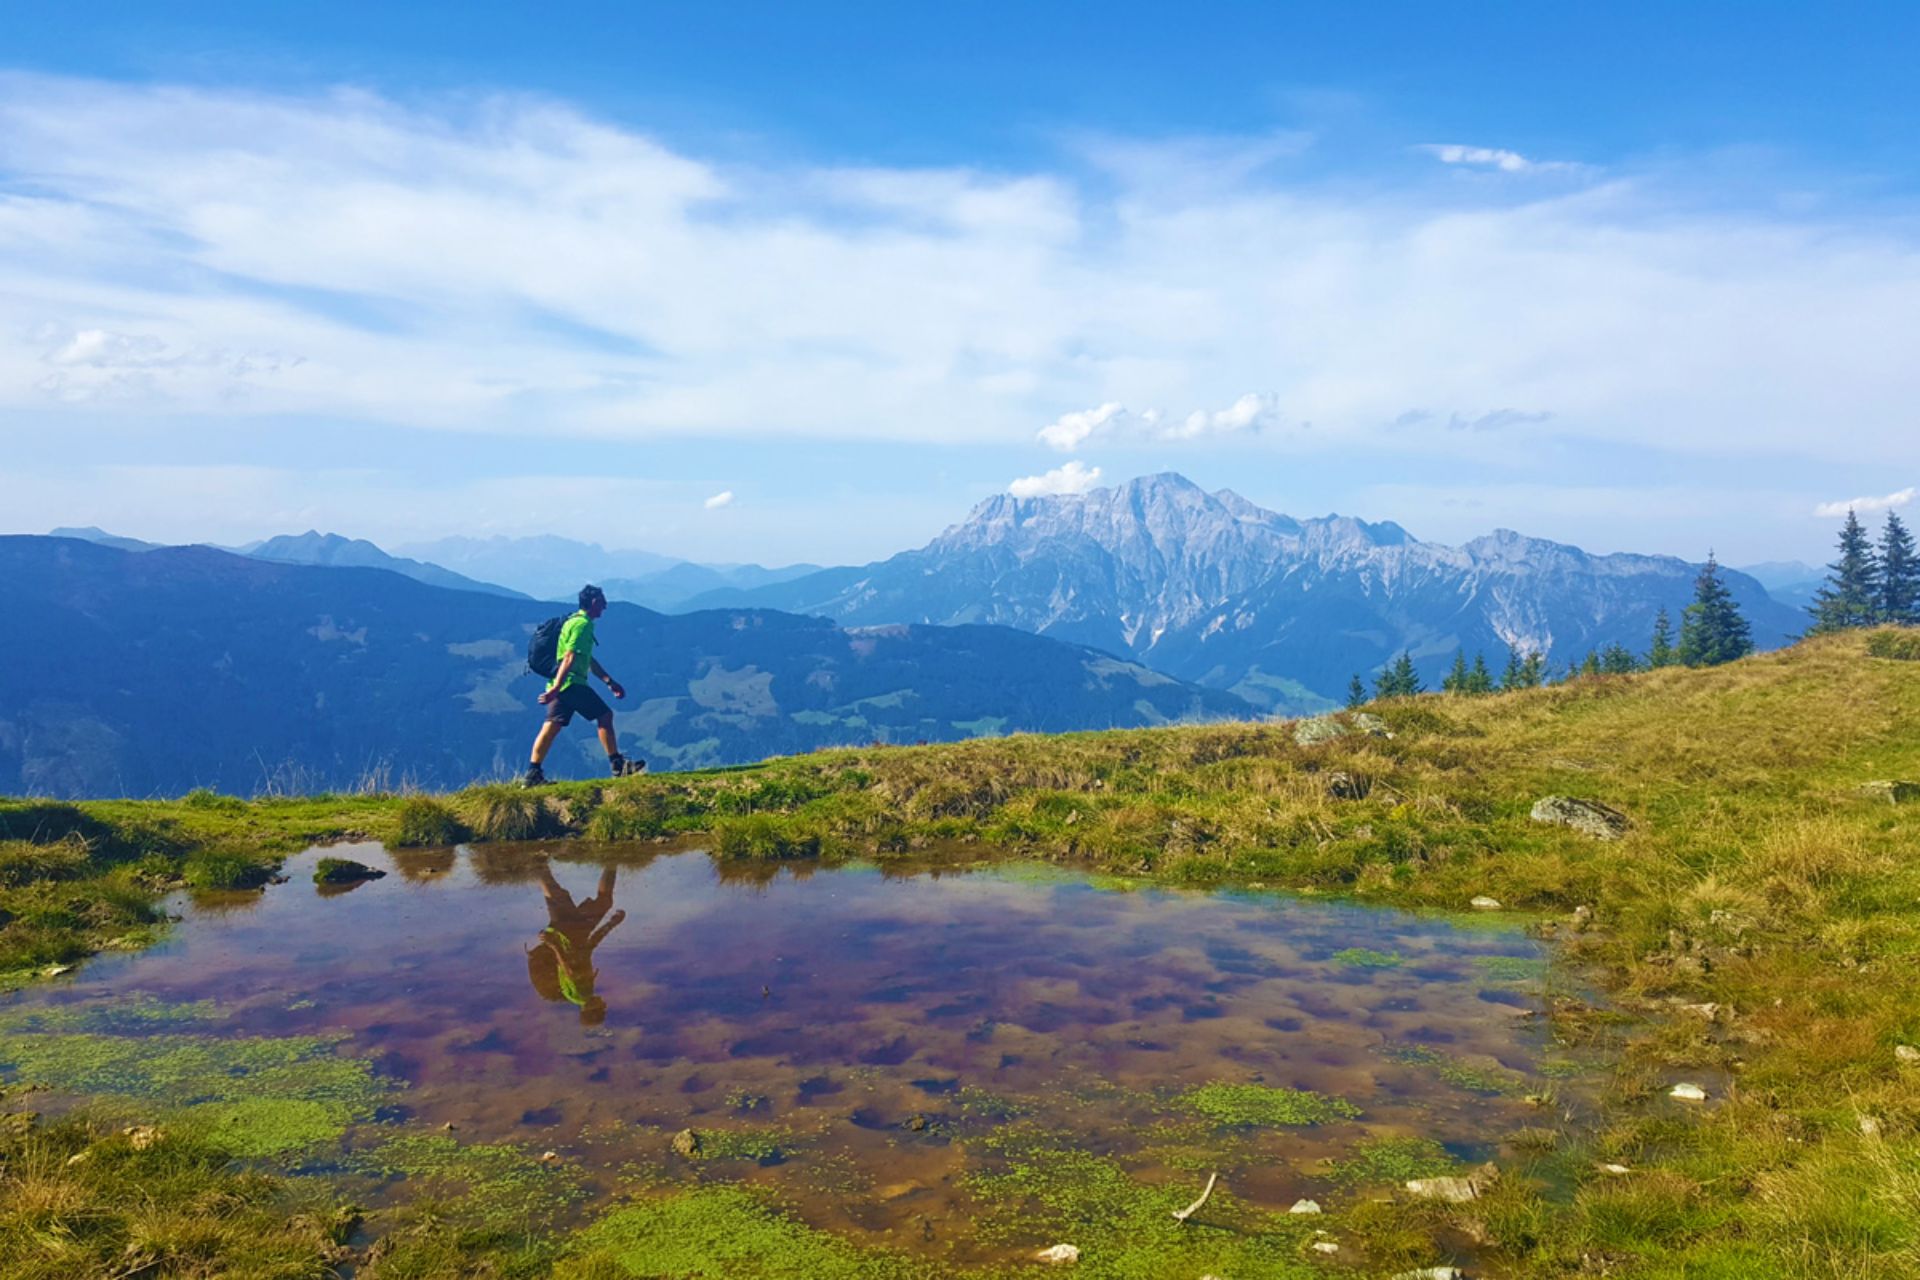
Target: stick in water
x: 1181, y: 1215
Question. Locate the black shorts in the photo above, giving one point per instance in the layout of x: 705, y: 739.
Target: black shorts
x: 576, y: 699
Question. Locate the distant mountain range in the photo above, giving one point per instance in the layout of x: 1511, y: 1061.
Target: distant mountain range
x: 1281, y: 611
x: 550, y: 568
x: 137, y: 672
x: 1791, y: 582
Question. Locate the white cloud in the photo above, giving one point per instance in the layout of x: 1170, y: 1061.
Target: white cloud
x: 1112, y: 420
x: 724, y: 498
x: 1070, y: 430
x: 1834, y: 510
x: 509, y: 265
x: 1069, y: 478
x: 1485, y: 157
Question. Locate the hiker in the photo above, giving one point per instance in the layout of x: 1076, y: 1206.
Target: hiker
x: 560, y: 965
x: 569, y: 693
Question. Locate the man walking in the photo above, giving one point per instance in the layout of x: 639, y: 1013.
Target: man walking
x: 569, y: 693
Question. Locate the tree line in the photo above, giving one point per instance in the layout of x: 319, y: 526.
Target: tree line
x: 1712, y: 631
x: 1871, y: 584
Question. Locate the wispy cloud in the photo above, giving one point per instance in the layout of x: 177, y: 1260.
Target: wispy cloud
x: 724, y: 498
x: 1070, y: 477
x: 1886, y: 502
x: 1114, y: 421
x: 1489, y: 158
x: 511, y: 265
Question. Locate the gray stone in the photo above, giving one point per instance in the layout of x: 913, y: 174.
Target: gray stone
x: 1370, y: 724
x: 686, y: 1143
x: 1588, y: 817
x: 1309, y: 733
x: 1891, y: 792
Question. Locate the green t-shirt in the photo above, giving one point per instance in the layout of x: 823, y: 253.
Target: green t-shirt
x: 576, y: 638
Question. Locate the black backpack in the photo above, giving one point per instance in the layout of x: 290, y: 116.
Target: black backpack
x: 543, y: 648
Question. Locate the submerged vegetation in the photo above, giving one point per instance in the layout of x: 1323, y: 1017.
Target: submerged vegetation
x: 1757, y: 918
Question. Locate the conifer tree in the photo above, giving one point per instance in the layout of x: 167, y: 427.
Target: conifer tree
x: 1713, y: 630
x: 1405, y: 676
x: 1480, y: 680
x: 1356, y: 692
x: 1850, y: 597
x: 1899, y: 600
x: 1515, y: 676
x: 1455, y: 681
x: 1617, y: 660
x: 1662, y: 654
x: 1590, y: 667
x: 1533, y: 671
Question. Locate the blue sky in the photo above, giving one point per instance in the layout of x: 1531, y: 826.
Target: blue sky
x: 1637, y: 277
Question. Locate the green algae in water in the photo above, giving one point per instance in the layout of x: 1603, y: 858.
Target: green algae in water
x: 1460, y: 1074
x: 1254, y: 1104
x: 1125, y: 1228
x: 1393, y: 1160
x: 1367, y: 958
x: 498, y: 1184
x: 256, y: 1096
x: 1512, y: 968
x: 765, y: 1143
x: 726, y: 1232
x: 131, y: 1014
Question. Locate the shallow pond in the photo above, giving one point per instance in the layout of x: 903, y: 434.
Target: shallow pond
x: 909, y: 1060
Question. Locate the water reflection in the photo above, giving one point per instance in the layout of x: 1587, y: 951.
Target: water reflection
x: 560, y: 963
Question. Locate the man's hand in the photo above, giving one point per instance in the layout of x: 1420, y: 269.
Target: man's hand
x: 549, y: 696
x: 615, y: 688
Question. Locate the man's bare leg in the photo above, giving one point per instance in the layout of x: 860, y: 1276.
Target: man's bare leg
x: 543, y: 741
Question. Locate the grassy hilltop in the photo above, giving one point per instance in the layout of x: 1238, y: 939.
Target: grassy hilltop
x: 1760, y: 921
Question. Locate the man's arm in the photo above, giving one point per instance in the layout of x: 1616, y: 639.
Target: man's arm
x: 559, y: 674
x: 612, y: 684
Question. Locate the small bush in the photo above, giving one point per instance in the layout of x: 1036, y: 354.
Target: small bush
x: 425, y: 821
x: 204, y: 798
x: 224, y: 869
x: 762, y: 836
x: 22, y: 861
x: 1899, y: 643
x: 506, y: 812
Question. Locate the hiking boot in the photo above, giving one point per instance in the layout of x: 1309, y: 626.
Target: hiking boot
x: 536, y: 777
x: 625, y: 768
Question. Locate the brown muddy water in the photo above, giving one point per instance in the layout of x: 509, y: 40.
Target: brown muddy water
x: 851, y: 1036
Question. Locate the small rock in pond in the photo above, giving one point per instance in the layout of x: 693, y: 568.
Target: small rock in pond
x: 55, y: 970
x: 1893, y: 792
x: 1688, y: 1093
x: 917, y: 1122
x: 1305, y: 1206
x: 1455, y: 1190
x: 1588, y: 817
x: 1906, y: 1053
x: 686, y: 1143
x: 1484, y: 903
x: 1059, y: 1253
x: 549, y: 1157
x: 343, y: 871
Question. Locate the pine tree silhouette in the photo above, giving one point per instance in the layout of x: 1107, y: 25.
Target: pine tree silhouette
x: 1899, y: 599
x: 1849, y: 597
x: 1662, y: 654
x: 1713, y: 630
x: 1356, y: 692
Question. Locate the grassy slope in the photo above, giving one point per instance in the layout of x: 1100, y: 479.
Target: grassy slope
x: 1756, y: 877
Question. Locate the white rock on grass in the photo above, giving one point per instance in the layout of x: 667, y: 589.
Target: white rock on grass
x: 1325, y: 1246
x: 1058, y: 1254
x: 1433, y: 1273
x: 1484, y: 903
x: 1305, y: 1206
x: 1907, y: 1054
x: 1617, y: 1170
x: 1688, y: 1093
x: 1869, y: 1126
x: 1453, y: 1190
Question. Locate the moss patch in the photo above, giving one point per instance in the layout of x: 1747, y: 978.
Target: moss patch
x: 493, y: 1183
x: 1366, y: 958
x: 727, y: 1232
x: 1392, y: 1160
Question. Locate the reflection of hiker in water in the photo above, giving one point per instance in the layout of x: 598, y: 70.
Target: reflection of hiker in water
x: 561, y: 963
